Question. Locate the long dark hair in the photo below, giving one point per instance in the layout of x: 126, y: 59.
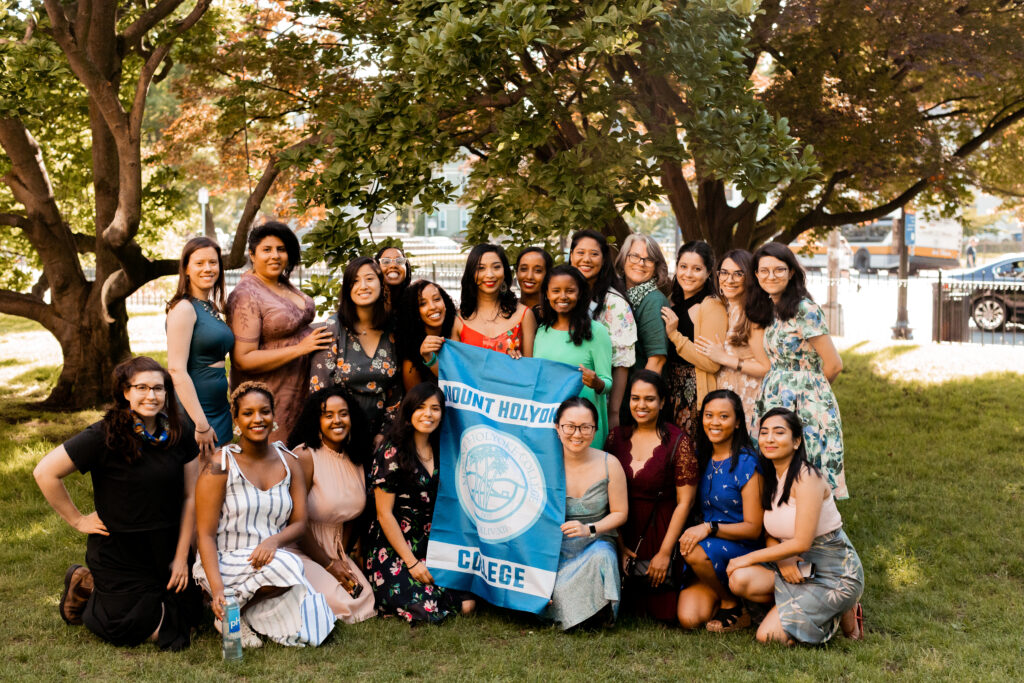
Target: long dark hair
x: 184, y: 290
x: 411, y: 328
x: 796, y: 465
x: 400, y: 435
x: 119, y: 421
x: 307, y: 428
x: 740, y: 436
x: 740, y: 335
x: 707, y: 255
x: 760, y: 307
x: 283, y: 233
x: 394, y: 292
x: 579, y: 316
x: 607, y: 278
x: 347, y: 313
x: 507, y: 301
x: 626, y: 418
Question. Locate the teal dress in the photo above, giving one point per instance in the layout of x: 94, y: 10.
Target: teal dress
x: 594, y: 353
x: 212, y: 340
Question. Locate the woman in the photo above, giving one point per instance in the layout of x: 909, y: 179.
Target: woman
x: 425, y: 319
x: 590, y: 254
x: 741, y: 354
x: 568, y: 335
x: 730, y: 506
x: 404, y: 479
x: 661, y: 476
x: 397, y: 274
x: 330, y: 441
x: 363, y: 357
x: 804, y: 361
x: 808, y: 567
x: 270, y: 319
x: 695, y: 311
x: 250, y: 505
x: 490, y: 317
x: 144, y: 468
x: 596, y: 504
x: 198, y: 340
x: 532, y: 266
x: 642, y: 266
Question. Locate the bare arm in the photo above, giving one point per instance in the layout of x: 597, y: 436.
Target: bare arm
x: 248, y: 355
x: 618, y: 498
x: 181, y: 322
x: 832, y: 363
x: 620, y: 376
x: 529, y: 332
x: 186, y: 531
x: 385, y: 502
x: 753, y: 514
x: 54, y: 466
x: 656, y: 363
x: 210, y: 490
x: 309, y: 544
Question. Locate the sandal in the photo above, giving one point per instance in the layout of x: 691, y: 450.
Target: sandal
x: 729, y: 619
x: 858, y: 620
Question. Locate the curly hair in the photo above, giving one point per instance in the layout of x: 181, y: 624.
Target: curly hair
x: 394, y: 293
x: 579, y: 316
x: 412, y: 329
x: 307, y: 428
x: 283, y: 233
x: 247, y: 388
x: 119, y: 421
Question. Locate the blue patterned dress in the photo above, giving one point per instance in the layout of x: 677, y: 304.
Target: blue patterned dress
x: 796, y: 381
x: 721, y: 500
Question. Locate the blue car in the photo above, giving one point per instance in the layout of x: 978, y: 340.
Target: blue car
x: 996, y: 291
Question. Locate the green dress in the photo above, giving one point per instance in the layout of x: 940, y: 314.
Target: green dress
x: 594, y: 353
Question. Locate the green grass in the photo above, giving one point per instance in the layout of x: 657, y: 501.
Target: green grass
x: 937, y: 486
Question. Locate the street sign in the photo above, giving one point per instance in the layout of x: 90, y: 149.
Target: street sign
x: 910, y: 228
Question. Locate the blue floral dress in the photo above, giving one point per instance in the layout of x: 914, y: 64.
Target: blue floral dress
x: 721, y: 500
x: 796, y: 381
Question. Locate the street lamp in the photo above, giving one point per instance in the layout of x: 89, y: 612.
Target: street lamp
x: 204, y: 199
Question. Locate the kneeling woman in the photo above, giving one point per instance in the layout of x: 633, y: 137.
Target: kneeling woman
x: 595, y: 506
x: 812, y: 571
x: 404, y: 479
x: 248, y: 507
x: 143, y: 469
x: 731, y: 514
x: 331, y: 442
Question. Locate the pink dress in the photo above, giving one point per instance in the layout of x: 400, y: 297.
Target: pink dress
x: 337, y: 496
x: 258, y: 314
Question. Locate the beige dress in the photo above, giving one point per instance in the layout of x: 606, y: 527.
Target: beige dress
x: 745, y: 386
x: 337, y: 496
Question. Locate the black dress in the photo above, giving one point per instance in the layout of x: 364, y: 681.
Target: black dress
x: 140, y: 504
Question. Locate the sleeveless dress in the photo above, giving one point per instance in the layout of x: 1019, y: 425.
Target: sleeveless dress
x: 510, y: 340
x: 337, y: 496
x: 588, y: 568
x: 250, y: 515
x: 212, y: 341
x: 810, y: 612
x: 721, y: 500
x: 796, y: 381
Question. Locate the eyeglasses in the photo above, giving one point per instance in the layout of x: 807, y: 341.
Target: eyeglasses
x: 778, y: 272
x: 144, y: 389
x: 569, y: 430
x: 639, y: 260
x: 397, y: 261
x: 730, y: 275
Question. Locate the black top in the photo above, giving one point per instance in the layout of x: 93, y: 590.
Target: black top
x: 685, y: 327
x: 142, y: 496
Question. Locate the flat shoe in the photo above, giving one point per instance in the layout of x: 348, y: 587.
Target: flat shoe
x: 858, y: 620
x: 729, y: 619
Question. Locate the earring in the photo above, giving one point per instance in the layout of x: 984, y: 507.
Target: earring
x: 237, y: 431
x: 503, y: 288
x: 275, y: 426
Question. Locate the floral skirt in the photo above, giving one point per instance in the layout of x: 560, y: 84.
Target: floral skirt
x: 396, y: 592
x: 682, y: 394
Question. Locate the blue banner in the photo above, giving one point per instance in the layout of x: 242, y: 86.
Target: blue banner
x: 501, y: 501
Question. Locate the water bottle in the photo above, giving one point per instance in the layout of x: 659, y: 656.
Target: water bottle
x: 231, y: 627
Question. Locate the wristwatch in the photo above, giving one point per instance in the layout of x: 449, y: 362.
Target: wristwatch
x: 593, y: 530
x: 714, y: 529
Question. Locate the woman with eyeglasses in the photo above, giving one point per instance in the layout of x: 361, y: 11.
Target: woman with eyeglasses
x: 397, y: 273
x: 596, y: 504
x: 645, y: 272
x: 740, y: 355
x: 804, y: 361
x: 143, y: 465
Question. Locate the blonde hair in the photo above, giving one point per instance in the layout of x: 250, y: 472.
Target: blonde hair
x: 247, y: 388
x: 661, y: 277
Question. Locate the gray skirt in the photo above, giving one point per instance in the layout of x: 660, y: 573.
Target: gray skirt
x: 810, y: 611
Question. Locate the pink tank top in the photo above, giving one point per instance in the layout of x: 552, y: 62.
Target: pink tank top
x: 503, y: 343
x: 780, y: 521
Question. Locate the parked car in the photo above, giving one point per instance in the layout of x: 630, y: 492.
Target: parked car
x: 996, y: 291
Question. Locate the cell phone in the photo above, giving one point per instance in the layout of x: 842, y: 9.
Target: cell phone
x: 806, y: 569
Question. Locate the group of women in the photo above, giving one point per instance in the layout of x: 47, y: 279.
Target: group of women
x: 313, y: 496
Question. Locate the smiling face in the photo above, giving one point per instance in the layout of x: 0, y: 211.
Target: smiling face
x: 394, y: 273
x: 270, y: 258
x: 639, y: 267
x: 719, y: 421
x: 432, y: 308
x: 587, y: 258
x: 335, y: 422
x: 644, y: 403
x: 255, y: 418
x: 530, y: 273
x: 366, y: 288
x: 427, y: 417
x: 691, y: 273
x: 562, y: 294
x: 773, y: 275
x: 203, y: 269
x: 776, y: 440
x: 146, y: 393
x: 571, y: 427
x: 731, y: 280
x: 490, y: 275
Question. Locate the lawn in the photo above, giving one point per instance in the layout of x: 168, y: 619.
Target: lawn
x: 937, y: 481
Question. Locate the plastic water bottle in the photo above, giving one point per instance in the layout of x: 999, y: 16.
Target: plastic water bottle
x: 231, y: 627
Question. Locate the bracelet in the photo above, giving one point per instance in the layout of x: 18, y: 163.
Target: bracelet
x: 203, y: 431
x: 413, y: 564
x: 739, y: 365
x: 433, y: 359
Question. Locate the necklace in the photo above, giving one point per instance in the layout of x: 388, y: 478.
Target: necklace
x: 208, y: 307
x: 717, y: 466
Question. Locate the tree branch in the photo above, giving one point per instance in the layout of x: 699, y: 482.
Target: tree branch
x: 31, y: 307
x: 14, y: 220
x: 147, y: 20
